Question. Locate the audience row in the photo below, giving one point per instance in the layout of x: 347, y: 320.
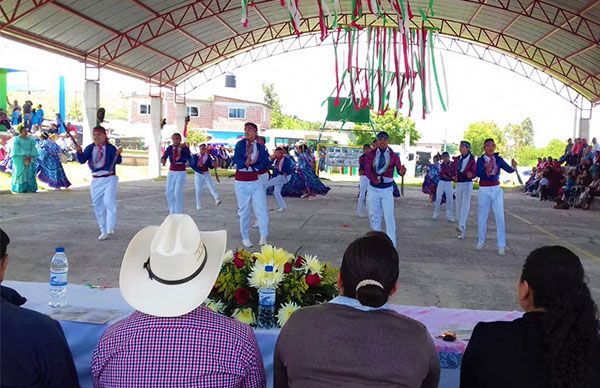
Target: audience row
x: 355, y: 340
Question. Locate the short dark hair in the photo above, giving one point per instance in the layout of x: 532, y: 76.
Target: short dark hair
x: 367, y: 146
x: 371, y: 257
x: 279, y: 149
x: 202, y: 145
x: 4, y: 241
x: 176, y: 134
x: 250, y: 124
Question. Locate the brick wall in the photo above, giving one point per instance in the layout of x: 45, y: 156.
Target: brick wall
x: 134, y: 111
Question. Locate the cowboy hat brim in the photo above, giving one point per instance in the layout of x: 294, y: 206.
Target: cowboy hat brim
x: 162, y: 300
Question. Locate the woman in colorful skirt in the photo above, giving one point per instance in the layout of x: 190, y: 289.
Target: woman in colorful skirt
x: 432, y: 177
x: 24, y: 155
x: 313, y: 184
x: 50, y: 169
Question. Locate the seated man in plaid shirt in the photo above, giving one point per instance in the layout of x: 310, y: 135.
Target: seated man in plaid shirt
x: 172, y: 340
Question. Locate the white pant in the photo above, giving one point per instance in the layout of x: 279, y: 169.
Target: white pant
x: 463, y: 202
x: 264, y: 179
x: 382, y: 201
x: 278, y: 182
x: 104, y: 201
x: 252, y: 191
x: 175, y: 186
x: 444, y: 187
x: 363, y: 185
x: 199, y: 181
x: 491, y: 196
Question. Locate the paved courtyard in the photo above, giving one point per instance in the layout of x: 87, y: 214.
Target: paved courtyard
x: 435, y: 268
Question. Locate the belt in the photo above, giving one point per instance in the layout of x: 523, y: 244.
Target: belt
x: 262, y: 172
x: 102, y: 176
x: 246, y: 176
x: 488, y: 183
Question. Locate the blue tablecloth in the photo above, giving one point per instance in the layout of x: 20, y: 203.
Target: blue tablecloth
x: 83, y: 337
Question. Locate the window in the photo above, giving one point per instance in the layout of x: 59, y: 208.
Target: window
x: 144, y: 109
x: 192, y: 111
x: 237, y: 113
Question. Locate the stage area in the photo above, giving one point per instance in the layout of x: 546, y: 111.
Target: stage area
x: 436, y: 268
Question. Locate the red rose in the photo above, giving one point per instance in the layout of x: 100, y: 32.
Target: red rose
x: 287, y: 268
x: 299, y: 262
x: 238, y: 262
x: 242, y: 296
x: 313, y: 280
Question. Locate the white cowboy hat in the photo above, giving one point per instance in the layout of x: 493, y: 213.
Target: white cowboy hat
x: 169, y: 270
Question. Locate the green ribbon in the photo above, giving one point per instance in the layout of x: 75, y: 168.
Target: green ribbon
x: 435, y: 73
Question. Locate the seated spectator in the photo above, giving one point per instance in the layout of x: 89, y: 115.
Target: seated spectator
x: 356, y: 340
x: 34, y: 351
x: 590, y: 192
x: 172, y: 340
x: 555, y: 344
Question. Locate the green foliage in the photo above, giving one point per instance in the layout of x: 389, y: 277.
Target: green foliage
x: 395, y: 126
x: 120, y: 113
x: 195, y: 136
x: 519, y: 137
x: 477, y: 132
x: 293, y: 287
x: 528, y: 156
x: 281, y: 120
x: 452, y: 148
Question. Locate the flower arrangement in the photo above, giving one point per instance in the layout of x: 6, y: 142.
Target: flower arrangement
x: 299, y: 281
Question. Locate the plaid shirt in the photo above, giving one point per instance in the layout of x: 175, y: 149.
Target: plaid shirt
x: 199, y: 349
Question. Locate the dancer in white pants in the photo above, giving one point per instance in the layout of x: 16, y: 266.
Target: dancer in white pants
x: 379, y: 168
x: 445, y: 187
x: 491, y: 194
x: 179, y: 156
x: 201, y: 164
x: 249, y: 158
x: 282, y: 170
x: 363, y: 182
x: 465, y: 170
x: 102, y: 158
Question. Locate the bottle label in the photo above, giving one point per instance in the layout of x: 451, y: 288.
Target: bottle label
x: 267, y: 300
x: 58, y: 279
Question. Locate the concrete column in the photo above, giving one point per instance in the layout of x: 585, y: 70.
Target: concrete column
x: 156, y: 114
x: 91, y: 103
x: 180, y: 114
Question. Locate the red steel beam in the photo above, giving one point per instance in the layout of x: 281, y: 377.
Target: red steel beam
x: 19, y: 11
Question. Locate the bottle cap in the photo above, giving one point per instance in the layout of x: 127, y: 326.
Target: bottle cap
x: 268, y: 268
x: 60, y: 250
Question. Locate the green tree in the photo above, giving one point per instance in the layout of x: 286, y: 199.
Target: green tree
x: 75, y: 112
x: 519, y: 137
x: 281, y: 120
x: 477, y: 132
x: 195, y: 136
x: 395, y: 126
x: 528, y: 156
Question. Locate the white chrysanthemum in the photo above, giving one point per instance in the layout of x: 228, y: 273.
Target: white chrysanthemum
x: 285, y: 312
x: 312, y: 265
x: 244, y: 315
x: 270, y: 255
x: 228, y: 257
x: 215, y: 305
x: 260, y: 278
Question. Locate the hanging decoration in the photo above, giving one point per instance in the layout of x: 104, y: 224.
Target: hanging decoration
x: 377, y: 65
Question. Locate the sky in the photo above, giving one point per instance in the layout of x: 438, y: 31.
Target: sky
x: 303, y: 79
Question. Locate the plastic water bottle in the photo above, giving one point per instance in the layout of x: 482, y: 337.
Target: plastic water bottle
x: 59, y: 268
x: 266, y: 305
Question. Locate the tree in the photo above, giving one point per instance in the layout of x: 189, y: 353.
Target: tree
x: 528, y: 156
x: 395, y: 126
x: 519, y: 137
x: 477, y: 132
x: 195, y: 136
x: 280, y: 120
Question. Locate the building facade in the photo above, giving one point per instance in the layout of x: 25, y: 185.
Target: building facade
x: 221, y: 118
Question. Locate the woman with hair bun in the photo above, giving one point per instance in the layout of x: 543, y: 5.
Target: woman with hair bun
x: 357, y: 340
x: 556, y: 344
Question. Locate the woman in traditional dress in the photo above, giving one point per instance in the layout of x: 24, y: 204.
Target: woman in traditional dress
x: 313, y: 184
x: 49, y: 169
x: 24, y: 155
x: 296, y: 185
x: 432, y: 177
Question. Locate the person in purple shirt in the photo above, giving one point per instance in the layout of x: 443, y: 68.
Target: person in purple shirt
x: 282, y: 173
x: 102, y: 158
x: 202, y: 163
x: 491, y: 194
x: 445, y: 187
x: 465, y: 169
x: 250, y: 158
x: 179, y: 156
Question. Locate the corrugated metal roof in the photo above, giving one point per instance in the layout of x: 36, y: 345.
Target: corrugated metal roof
x: 172, y: 40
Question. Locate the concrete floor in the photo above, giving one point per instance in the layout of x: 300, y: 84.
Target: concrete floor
x: 436, y: 268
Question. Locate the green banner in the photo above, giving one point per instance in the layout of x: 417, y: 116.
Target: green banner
x: 345, y: 111
x: 3, y: 91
